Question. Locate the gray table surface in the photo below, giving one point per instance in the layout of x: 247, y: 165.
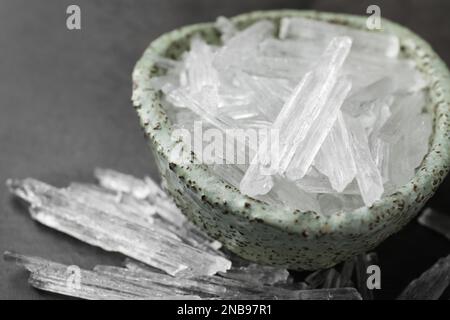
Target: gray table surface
x: 65, y: 109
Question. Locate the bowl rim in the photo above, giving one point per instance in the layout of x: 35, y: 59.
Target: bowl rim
x: 212, y: 190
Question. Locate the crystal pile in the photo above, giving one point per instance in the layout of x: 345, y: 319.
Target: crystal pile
x: 346, y: 106
x: 167, y: 256
x: 126, y: 215
x: 122, y: 207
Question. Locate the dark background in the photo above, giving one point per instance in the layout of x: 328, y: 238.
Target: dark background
x: 65, y: 109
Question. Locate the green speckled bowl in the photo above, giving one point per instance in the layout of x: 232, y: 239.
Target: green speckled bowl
x: 282, y: 237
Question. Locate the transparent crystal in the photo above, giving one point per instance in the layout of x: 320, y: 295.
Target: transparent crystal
x: 436, y: 221
x: 373, y: 43
x: 93, y: 222
x: 339, y: 146
x: 230, y: 55
x: 320, y: 128
x: 334, y: 158
x: 91, y: 285
x: 431, y: 284
x: 115, y: 283
x: 368, y: 176
x: 258, y: 274
x: 296, y: 118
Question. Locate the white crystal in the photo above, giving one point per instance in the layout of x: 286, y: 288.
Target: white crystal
x: 306, y: 104
x: 91, y: 285
x: 296, y: 118
x: 335, y: 157
x: 374, y: 43
x: 335, y: 142
x: 312, y: 142
x: 114, y: 283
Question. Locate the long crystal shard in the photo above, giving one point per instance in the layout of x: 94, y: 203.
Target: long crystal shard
x: 335, y: 157
x: 199, y: 69
x: 374, y: 43
x: 122, y: 182
x: 95, y: 224
x: 91, y: 285
x: 297, y: 117
x: 231, y: 53
x: 308, y: 148
x: 431, y: 284
x: 264, y: 100
x: 364, y: 69
x: 306, y: 104
x: 363, y: 261
x: 258, y: 274
x: 150, y: 194
x: 368, y: 176
x: 436, y: 221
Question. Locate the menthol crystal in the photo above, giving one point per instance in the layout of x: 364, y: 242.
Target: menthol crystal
x: 136, y: 283
x: 346, y: 105
x: 138, y: 228
x: 436, y: 221
x: 431, y: 284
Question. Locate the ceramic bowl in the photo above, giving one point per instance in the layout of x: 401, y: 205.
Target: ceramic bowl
x: 283, y: 237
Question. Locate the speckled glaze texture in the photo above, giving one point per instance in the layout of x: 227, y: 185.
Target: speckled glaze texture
x: 284, y: 237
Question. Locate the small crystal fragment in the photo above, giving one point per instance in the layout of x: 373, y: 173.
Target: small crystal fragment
x: 296, y: 119
x: 308, y: 148
x: 114, y: 283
